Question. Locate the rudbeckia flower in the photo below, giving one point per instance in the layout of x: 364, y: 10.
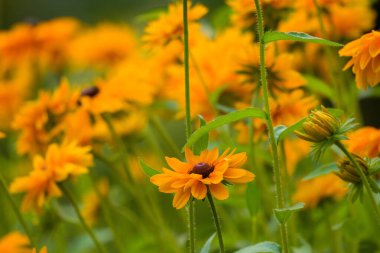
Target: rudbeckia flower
x: 365, y: 61
x: 58, y: 165
x: 199, y: 174
x: 364, y: 142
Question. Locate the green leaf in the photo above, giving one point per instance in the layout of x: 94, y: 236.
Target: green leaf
x: 277, y: 131
x: 223, y: 120
x: 202, y: 143
x: 318, y: 86
x: 148, y: 170
x: 253, y: 198
x: 206, y: 247
x: 271, y: 36
x: 322, y: 170
x: 284, y: 131
x: 374, y: 166
x: 262, y: 247
x: 284, y: 214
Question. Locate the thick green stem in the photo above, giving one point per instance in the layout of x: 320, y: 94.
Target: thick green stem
x: 16, y: 210
x: 280, y: 200
x: 216, y: 220
x: 188, y: 115
x: 364, y: 180
x: 99, y: 247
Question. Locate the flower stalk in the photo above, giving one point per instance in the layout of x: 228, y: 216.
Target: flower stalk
x: 216, y: 220
x: 188, y: 116
x: 280, y: 199
x: 363, y: 178
x: 96, y: 242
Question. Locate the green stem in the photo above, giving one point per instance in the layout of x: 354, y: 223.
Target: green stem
x: 363, y: 178
x: 216, y: 220
x: 81, y: 219
x: 335, y: 243
x: 16, y: 210
x: 124, y: 154
x: 280, y: 200
x: 188, y: 116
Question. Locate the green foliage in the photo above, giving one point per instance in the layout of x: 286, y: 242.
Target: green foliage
x: 223, y: 120
x: 271, y: 36
x: 283, y: 214
x: 322, y: 170
x: 253, y: 198
x: 318, y: 86
x: 262, y: 247
x: 206, y: 247
x: 202, y: 143
x: 148, y: 170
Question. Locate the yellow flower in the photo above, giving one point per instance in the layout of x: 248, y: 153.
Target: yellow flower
x: 364, y: 142
x: 60, y: 163
x: 169, y: 26
x: 2, y: 135
x: 14, y: 242
x: 200, y: 174
x: 315, y: 190
x: 365, y: 59
x: 103, y: 46
x: 40, y: 120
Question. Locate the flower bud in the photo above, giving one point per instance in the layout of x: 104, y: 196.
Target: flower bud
x: 348, y: 171
x: 320, y: 125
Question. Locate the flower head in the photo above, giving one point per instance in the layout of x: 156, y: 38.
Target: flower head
x: 59, y: 164
x: 315, y: 190
x: 365, y: 59
x: 348, y: 172
x: 201, y: 173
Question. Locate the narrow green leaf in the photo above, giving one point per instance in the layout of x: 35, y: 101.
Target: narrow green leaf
x: 253, y: 198
x: 285, y: 131
x: 202, y: 143
x: 148, y: 170
x: 278, y: 130
x: 223, y: 120
x: 374, y: 166
x: 271, y: 36
x: 284, y: 214
x: 318, y: 86
x: 262, y: 247
x: 206, y: 247
x: 322, y: 170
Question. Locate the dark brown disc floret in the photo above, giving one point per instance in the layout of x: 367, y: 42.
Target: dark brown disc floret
x: 203, y: 169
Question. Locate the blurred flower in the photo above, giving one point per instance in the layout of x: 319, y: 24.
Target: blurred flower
x: 315, y: 190
x: 2, y: 135
x: 201, y: 173
x: 44, y: 43
x: 40, y: 120
x: 365, y: 59
x: 364, y: 142
x: 60, y: 163
x: 286, y: 110
x: 103, y: 46
x: 169, y: 26
x: 14, y: 242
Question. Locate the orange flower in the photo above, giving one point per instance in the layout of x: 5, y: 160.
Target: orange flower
x: 200, y: 174
x: 14, y: 242
x: 43, y: 250
x: 365, y: 142
x: 315, y: 190
x: 59, y: 164
x: 365, y: 61
x: 169, y: 26
x: 2, y: 135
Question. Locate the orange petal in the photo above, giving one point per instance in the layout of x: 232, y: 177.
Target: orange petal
x: 219, y: 191
x: 199, y: 190
x: 177, y: 165
x: 237, y: 177
x: 181, y: 198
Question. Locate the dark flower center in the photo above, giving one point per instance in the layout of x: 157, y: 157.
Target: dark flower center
x: 90, y: 91
x: 202, y: 169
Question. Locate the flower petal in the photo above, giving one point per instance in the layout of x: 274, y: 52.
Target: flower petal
x: 219, y: 191
x: 180, y: 199
x: 199, y: 190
